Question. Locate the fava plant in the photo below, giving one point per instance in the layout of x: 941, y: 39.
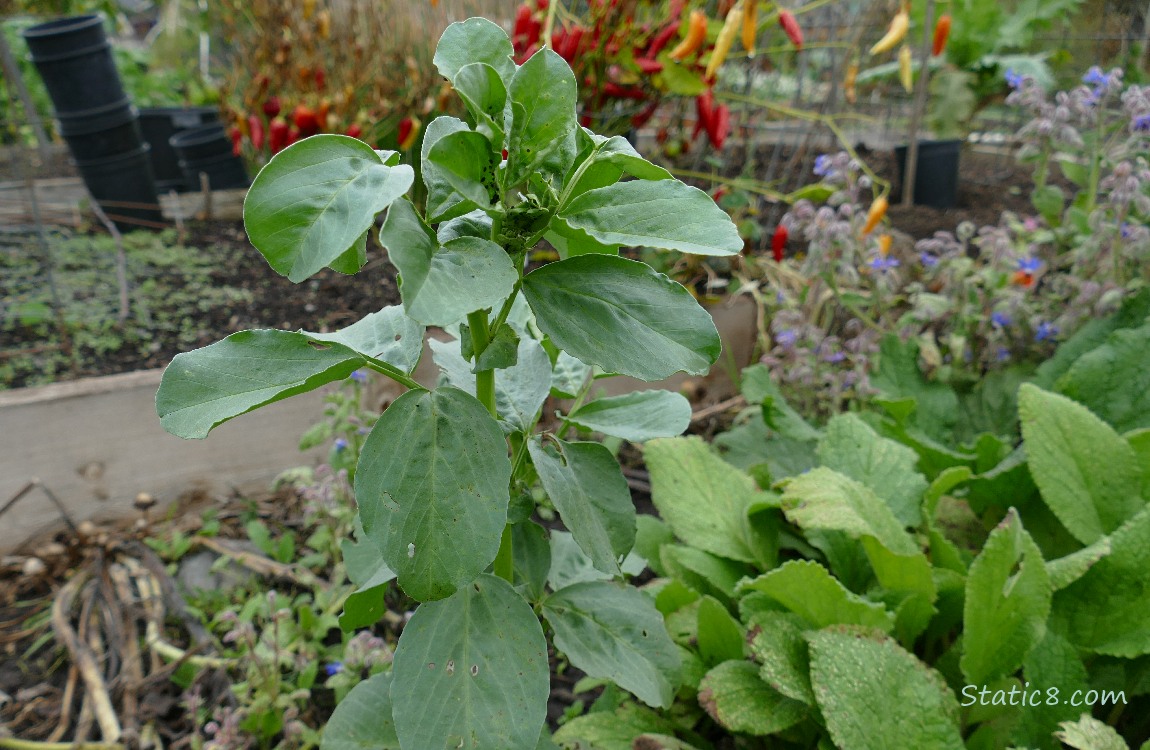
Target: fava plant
x: 445, y: 477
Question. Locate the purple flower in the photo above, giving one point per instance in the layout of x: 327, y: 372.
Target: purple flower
x: 359, y: 376
x: 823, y: 165
x: 333, y: 668
x: 928, y: 260
x: 882, y: 263
x: 787, y: 337
x: 999, y: 319
x: 1002, y: 354
x: 1125, y: 229
x: 1014, y: 80
x: 340, y: 444
x: 1141, y: 124
x: 834, y: 357
x: 1046, y: 331
x: 1095, y: 77
x: 1029, y: 264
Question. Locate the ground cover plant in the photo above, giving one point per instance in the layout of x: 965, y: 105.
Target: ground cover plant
x: 444, y: 477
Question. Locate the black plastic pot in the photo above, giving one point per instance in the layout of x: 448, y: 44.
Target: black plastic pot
x: 936, y: 173
x: 158, y: 125
x: 74, y: 58
x: 103, y: 131
x: 208, y: 150
x: 123, y: 186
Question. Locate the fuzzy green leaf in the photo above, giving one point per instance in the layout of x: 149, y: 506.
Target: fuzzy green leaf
x: 738, y: 699
x: 807, y: 589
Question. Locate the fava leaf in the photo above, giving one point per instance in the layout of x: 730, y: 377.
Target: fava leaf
x: 444, y: 202
x: 543, y: 95
x: 464, y: 160
x: 622, y: 316
x: 665, y: 214
x: 474, y: 40
x: 520, y: 390
x: 362, y: 720
x: 614, y: 632
x: 738, y: 699
x: 588, y: 489
x: 638, y: 416
x: 316, y: 200
x: 471, y: 672
x: 874, y: 694
x: 482, y: 89
x: 387, y: 335
x: 1066, y: 444
x: 432, y: 490
x: 370, y: 574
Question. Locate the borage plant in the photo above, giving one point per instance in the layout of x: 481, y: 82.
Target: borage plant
x: 444, y: 477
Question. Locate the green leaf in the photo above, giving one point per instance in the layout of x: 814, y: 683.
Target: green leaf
x: 1066, y: 570
x: 1113, y: 380
x: 778, y: 645
x: 502, y: 351
x: 898, y: 376
x: 206, y: 387
x: 570, y: 564
x: 471, y: 672
x: 388, y: 335
x: 444, y: 202
x: 570, y: 242
x: 604, y: 730
x: 824, y: 499
x: 679, y: 79
x: 737, y: 698
x: 543, y: 95
x: 807, y: 589
x: 362, y: 720
x: 1007, y: 603
x: 464, y: 159
x: 874, y: 694
x: 588, y: 489
x: 441, y: 284
x: 317, y: 199
x: 704, y: 572
x: 471, y: 41
x: 431, y: 485
x: 568, y: 376
x: 614, y: 632
x: 473, y: 224
x: 532, y: 555
x: 1104, y: 611
x: 369, y: 572
x: 637, y: 416
x: 720, y: 637
x: 702, y: 498
x: 1049, y: 200
x: 483, y: 91
x: 1066, y: 444
x: 608, y: 161
x: 519, y: 390
x: 1089, y: 733
x: 851, y: 447
x: 622, y: 316
x: 758, y: 387
x: 665, y: 214
x: 1052, y: 663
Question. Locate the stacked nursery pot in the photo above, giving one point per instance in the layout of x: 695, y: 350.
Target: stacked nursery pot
x: 159, y: 125
x: 96, y: 117
x: 207, y: 152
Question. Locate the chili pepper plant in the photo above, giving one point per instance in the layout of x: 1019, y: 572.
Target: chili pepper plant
x: 445, y: 476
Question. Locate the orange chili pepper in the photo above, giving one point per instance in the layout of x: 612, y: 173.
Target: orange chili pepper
x: 696, y: 35
x: 750, y: 26
x: 852, y: 74
x: 941, y: 34
x: 875, y: 214
x: 884, y: 243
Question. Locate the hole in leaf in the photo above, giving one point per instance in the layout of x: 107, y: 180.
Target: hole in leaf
x: 450, y: 668
x: 474, y: 670
x: 411, y: 550
x: 398, y: 336
x: 431, y: 665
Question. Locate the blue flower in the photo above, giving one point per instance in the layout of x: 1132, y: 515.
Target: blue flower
x: 1002, y: 320
x: 882, y: 264
x: 1029, y: 264
x: 1002, y: 354
x: 340, y: 444
x: 834, y: 357
x: 1046, y: 331
x: 1125, y: 230
x: 787, y: 337
x: 1095, y: 77
x: 927, y: 259
x: 1013, y: 80
x: 333, y: 668
x: 1141, y: 124
x: 823, y: 165
x: 359, y: 376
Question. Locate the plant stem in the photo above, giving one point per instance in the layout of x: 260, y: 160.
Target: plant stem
x: 395, y: 374
x: 485, y: 379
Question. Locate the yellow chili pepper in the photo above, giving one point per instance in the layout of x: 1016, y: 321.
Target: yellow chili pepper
x: 875, y: 214
x: 726, y: 38
x: 849, y: 79
x: 884, y: 242
x: 905, y: 73
x: 750, y: 26
x: 899, y: 25
x: 323, y: 24
x: 696, y: 35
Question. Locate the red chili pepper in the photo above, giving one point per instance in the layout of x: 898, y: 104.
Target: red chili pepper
x: 305, y: 120
x: 320, y: 78
x: 256, y: 131
x: 941, y: 33
x: 541, y: 5
x: 237, y: 139
x: 705, y: 112
x: 293, y: 136
x: 663, y: 38
x: 649, y: 66
x: 643, y: 116
x: 354, y: 130
x: 719, y: 193
x: 272, y: 106
x: 720, y: 126
x: 1022, y: 278
x: 779, y: 242
x: 575, y: 42
x: 559, y: 42
x: 278, y: 135
x: 661, y: 136
x: 617, y: 91
x: 522, y: 21
x: 791, y: 27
